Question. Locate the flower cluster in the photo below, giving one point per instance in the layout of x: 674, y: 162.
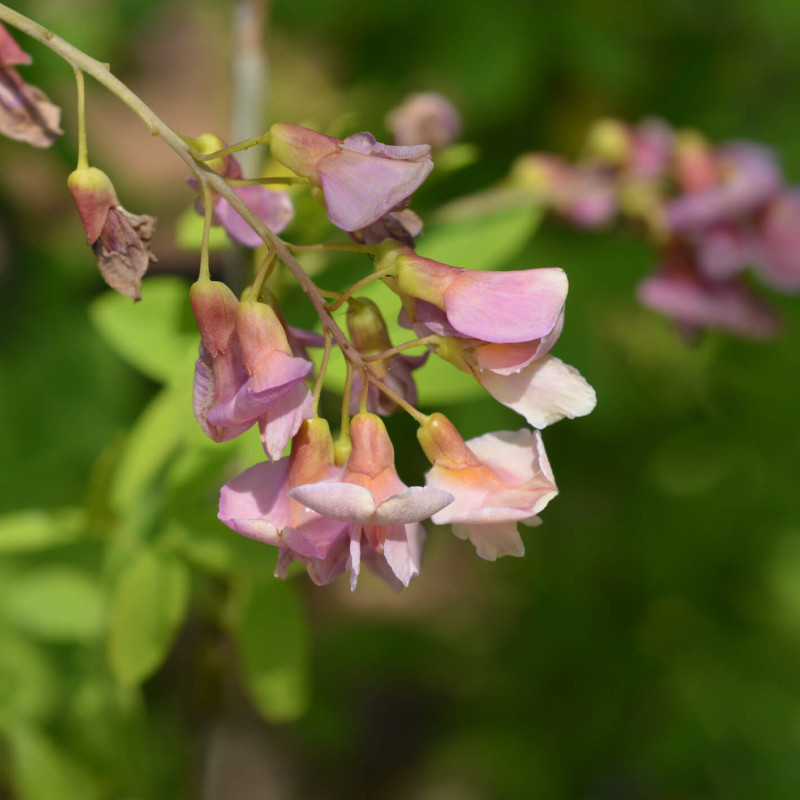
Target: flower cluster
x: 335, y: 504
x: 711, y: 212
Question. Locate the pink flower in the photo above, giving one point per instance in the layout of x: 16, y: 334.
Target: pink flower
x: 497, y: 480
x: 25, y: 112
x: 382, y: 513
x: 120, y: 240
x: 777, y: 254
x: 499, y: 326
x: 361, y: 179
x: 257, y: 504
x: 678, y: 290
x: 246, y: 372
x: 425, y: 118
x: 748, y: 178
x: 273, y: 208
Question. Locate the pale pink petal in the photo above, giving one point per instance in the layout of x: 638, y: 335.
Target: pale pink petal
x: 544, y: 392
x: 403, y: 554
x: 354, y: 561
x: 314, y: 538
x: 360, y: 189
x: 494, y: 540
x: 273, y: 208
x: 337, y: 500
x: 506, y: 306
x: 413, y: 505
x: 515, y: 456
x: 779, y: 246
x: 284, y: 418
x: 255, y: 503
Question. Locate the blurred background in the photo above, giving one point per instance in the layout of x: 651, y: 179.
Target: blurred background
x: 647, y: 647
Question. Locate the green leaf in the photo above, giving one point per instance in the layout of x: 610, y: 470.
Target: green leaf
x: 42, y: 772
x: 57, y: 603
x: 148, y: 606
x: 481, y: 240
x: 153, y: 335
x: 154, y: 438
x: 28, y: 685
x: 273, y: 644
x: 34, y: 529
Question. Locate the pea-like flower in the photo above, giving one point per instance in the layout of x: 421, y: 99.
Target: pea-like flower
x: 246, y: 372
x: 425, y: 118
x: 361, y: 179
x: 498, y: 326
x: 382, y: 513
x: 257, y: 504
x: 497, y: 480
x: 120, y: 240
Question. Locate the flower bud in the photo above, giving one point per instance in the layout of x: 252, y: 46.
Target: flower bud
x: 94, y: 195
x: 214, y: 307
x: 443, y: 444
x: 609, y: 141
x: 425, y: 118
x: 366, y: 326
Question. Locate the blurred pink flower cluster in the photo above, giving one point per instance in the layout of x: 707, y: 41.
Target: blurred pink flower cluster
x: 713, y: 213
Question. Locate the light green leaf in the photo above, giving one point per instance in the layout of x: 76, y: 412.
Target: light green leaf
x: 157, y: 433
x: 481, y: 241
x: 28, y: 685
x: 149, y: 604
x: 273, y: 643
x: 42, y: 772
x: 153, y: 335
x: 34, y: 529
x: 57, y: 603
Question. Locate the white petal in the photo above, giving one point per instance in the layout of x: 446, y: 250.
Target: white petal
x: 493, y: 541
x: 544, y: 392
x: 412, y: 505
x: 343, y: 501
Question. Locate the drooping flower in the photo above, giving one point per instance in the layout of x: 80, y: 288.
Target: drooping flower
x: 26, y: 114
x: 382, y: 513
x: 361, y: 179
x: 498, y: 326
x: 497, y: 480
x: 246, y: 372
x: 273, y: 207
x: 257, y: 504
x: 120, y: 240
x: 369, y: 335
x: 679, y: 290
x: 425, y: 118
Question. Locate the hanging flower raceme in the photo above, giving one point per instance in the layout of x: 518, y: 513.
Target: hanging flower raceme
x: 273, y: 208
x: 497, y: 480
x: 246, y: 372
x: 382, y: 513
x: 25, y: 112
x: 120, y: 240
x: 498, y: 326
x: 361, y: 179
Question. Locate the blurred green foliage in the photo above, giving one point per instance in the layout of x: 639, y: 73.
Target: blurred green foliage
x: 648, y: 645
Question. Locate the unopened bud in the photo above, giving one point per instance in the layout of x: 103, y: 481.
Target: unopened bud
x: 94, y: 195
x: 214, y: 307
x: 443, y: 444
x: 366, y: 326
x: 608, y: 141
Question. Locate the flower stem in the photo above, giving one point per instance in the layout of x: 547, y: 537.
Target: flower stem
x: 234, y: 148
x: 208, y: 211
x: 286, y: 180
x: 406, y: 406
x: 369, y: 249
x: 404, y: 346
x: 264, y: 271
x: 323, y: 367
x: 83, y: 150
x: 345, y: 295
